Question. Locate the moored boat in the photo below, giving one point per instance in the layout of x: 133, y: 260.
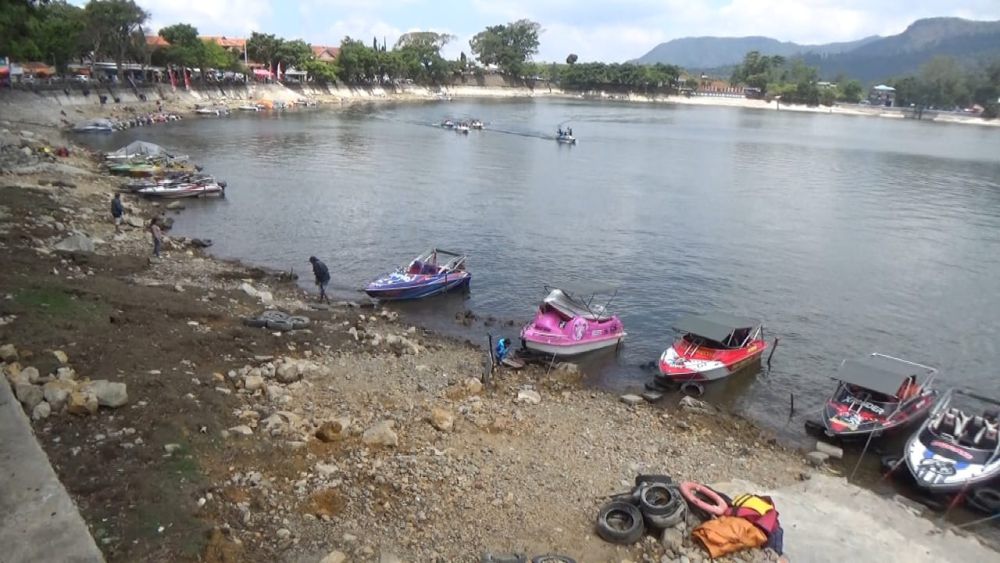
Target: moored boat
x: 433, y: 272
x: 249, y: 107
x: 878, y: 394
x: 711, y: 347
x: 570, y: 322
x: 954, y: 450
x: 183, y: 190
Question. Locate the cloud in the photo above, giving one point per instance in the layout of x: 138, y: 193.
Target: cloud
x: 211, y: 17
x: 363, y: 28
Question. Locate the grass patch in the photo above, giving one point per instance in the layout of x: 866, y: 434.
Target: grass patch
x: 56, y: 302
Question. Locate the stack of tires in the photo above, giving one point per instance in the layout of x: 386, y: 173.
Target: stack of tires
x: 655, y: 503
x: 277, y: 320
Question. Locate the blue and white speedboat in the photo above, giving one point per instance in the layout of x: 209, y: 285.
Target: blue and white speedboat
x: 432, y: 273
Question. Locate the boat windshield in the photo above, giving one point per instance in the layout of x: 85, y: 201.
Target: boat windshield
x: 861, y: 398
x: 702, y: 342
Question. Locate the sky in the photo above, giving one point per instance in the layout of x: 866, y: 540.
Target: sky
x: 596, y: 30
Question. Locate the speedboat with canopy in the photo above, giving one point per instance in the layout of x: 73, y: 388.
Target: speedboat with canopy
x: 877, y: 394
x: 956, y: 449
x: 711, y: 347
x: 570, y: 321
x: 433, y: 272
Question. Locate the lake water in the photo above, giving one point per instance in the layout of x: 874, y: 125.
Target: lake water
x: 845, y: 235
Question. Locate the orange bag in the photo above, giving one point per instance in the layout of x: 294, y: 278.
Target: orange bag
x: 728, y: 534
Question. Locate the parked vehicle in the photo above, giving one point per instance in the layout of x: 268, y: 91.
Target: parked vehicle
x: 712, y: 346
x: 431, y: 273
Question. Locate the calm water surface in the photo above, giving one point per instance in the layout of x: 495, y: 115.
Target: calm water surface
x: 845, y: 235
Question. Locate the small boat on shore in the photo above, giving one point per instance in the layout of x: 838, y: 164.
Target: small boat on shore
x: 569, y: 322
x: 249, y: 107
x: 431, y: 273
x: 94, y: 126
x: 178, y: 191
x: 878, y: 394
x: 214, y: 112
x: 712, y: 346
x: 955, y: 450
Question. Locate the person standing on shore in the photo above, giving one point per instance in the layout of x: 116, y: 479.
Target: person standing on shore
x: 322, y: 274
x: 117, y: 212
x: 154, y: 229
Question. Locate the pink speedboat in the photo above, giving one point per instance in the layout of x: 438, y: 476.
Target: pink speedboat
x: 568, y: 323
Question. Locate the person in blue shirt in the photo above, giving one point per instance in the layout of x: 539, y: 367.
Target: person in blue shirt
x: 322, y: 274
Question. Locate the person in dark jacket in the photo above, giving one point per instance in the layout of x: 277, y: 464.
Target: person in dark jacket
x: 322, y: 274
x: 117, y: 212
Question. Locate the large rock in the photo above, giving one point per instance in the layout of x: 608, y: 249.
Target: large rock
x: 8, y: 353
x: 66, y: 373
x: 529, y: 396
x: 109, y: 393
x: 57, y: 392
x: 29, y: 395
x: 61, y: 356
x: 334, y: 557
x: 75, y: 243
x: 672, y: 541
x: 288, y: 372
x: 41, y: 411
x: 31, y: 374
x: 442, y: 419
x: 81, y: 403
x: 381, y: 434
x: 694, y: 405
x: 175, y: 205
x: 333, y: 430
x: 133, y: 221
x: 253, y: 382
x: 266, y: 298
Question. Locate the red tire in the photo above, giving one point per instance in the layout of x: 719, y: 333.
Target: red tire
x: 695, y: 495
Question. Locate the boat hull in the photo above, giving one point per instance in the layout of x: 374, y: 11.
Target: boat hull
x: 842, y: 420
x: 551, y: 333
x: 417, y: 289
x: 944, y: 467
x: 707, y: 364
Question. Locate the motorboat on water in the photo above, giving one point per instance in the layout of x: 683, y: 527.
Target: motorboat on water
x: 462, y: 128
x: 448, y: 124
x: 431, y: 273
x: 178, y: 191
x: 566, y: 139
x: 171, y: 179
x: 956, y: 449
x: 878, y: 394
x: 476, y: 124
x: 570, y: 322
x: 711, y: 347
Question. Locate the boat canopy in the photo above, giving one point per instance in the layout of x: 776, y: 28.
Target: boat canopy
x: 139, y: 148
x: 714, y: 326
x: 567, y: 305
x: 883, y: 374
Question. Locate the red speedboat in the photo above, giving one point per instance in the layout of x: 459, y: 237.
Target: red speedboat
x: 713, y: 346
x: 878, y: 394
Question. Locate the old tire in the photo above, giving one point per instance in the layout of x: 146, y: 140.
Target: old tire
x: 888, y: 462
x: 299, y: 323
x: 985, y: 499
x: 283, y: 326
x: 642, y: 479
x: 273, y: 316
x: 255, y: 323
x: 661, y: 505
x: 552, y: 559
x: 620, y: 522
x: 692, y: 389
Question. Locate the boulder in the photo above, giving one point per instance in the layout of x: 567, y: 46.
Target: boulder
x: 75, y: 243
x: 41, y: 411
x: 253, y: 382
x: 109, y: 393
x: 8, y: 353
x: 266, y: 298
x: 31, y: 374
x: 692, y: 404
x: 529, y: 396
x: 66, y: 373
x: 473, y: 386
x: 133, y: 221
x: 288, y: 372
x: 630, y: 400
x: 242, y: 430
x: 442, y: 419
x: 333, y: 430
x: 817, y: 459
x: 175, y: 205
x: 29, y: 395
x: 61, y: 356
x: 672, y: 541
x: 334, y: 557
x: 81, y: 403
x: 381, y: 434
x: 57, y: 392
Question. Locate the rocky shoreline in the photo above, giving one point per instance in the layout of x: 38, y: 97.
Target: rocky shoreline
x: 352, y: 438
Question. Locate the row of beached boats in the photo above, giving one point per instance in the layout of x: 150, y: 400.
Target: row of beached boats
x: 262, y: 105
x: 875, y: 396
x: 157, y: 173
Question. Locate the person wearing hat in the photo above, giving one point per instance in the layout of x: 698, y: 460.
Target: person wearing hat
x: 322, y: 274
